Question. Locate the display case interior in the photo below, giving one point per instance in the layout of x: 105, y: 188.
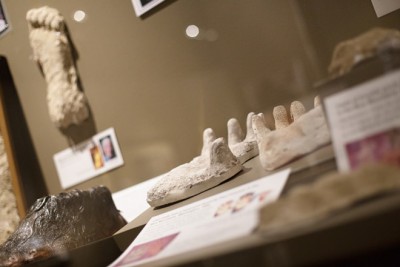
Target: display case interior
x: 159, y: 88
x: 178, y: 86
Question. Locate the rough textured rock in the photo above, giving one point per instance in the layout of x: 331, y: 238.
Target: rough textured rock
x: 243, y: 147
x: 215, y: 164
x: 333, y: 192
x: 55, y: 224
x: 349, y: 53
x: 308, y: 132
x: 9, y: 217
x: 51, y: 49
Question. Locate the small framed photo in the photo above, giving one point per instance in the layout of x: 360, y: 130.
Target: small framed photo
x: 142, y: 6
x: 107, y: 147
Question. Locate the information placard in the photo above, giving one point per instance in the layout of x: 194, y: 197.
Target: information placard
x: 96, y: 156
x: 383, y: 7
x: 365, y: 122
x: 222, y: 217
x: 142, y: 6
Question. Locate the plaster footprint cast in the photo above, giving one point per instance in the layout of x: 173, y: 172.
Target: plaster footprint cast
x: 306, y: 133
x: 215, y: 165
x: 51, y: 49
x: 243, y: 147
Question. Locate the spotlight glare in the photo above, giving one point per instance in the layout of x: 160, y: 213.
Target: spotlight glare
x: 79, y: 15
x: 192, y: 31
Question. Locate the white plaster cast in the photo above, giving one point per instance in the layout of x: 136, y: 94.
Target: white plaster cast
x: 51, y: 50
x: 349, y: 53
x: 281, y: 117
x: 243, y: 147
x: 215, y: 165
x: 9, y: 217
x: 235, y: 132
x: 307, y: 133
x: 317, y: 101
x: 260, y: 128
x: 297, y: 109
x: 208, y: 138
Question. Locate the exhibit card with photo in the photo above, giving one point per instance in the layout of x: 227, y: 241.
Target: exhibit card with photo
x: 88, y: 159
x: 143, y: 6
x: 365, y: 122
x: 4, y: 25
x: 226, y: 216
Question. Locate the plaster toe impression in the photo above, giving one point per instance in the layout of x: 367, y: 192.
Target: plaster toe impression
x: 66, y: 103
x: 306, y: 133
x: 243, y: 147
x: 215, y: 165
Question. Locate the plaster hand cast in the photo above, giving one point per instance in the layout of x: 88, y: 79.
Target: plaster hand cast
x: 243, y: 147
x: 215, y: 165
x: 66, y: 103
x: 307, y: 132
x: 329, y: 194
x: 349, y: 53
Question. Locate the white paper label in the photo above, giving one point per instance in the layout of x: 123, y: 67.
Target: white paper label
x: 222, y: 217
x: 383, y: 7
x: 365, y: 122
x: 88, y: 159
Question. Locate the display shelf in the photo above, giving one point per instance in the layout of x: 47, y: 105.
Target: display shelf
x: 303, y: 170
x: 362, y: 235
x: 358, y: 236
x: 103, y: 252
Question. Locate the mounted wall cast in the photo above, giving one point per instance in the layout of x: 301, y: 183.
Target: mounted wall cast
x: 51, y: 50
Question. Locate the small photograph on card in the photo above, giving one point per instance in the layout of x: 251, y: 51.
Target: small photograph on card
x: 147, y: 250
x: 96, y: 157
x: 380, y: 147
x: 107, y: 147
x: 244, y: 201
x: 224, y: 208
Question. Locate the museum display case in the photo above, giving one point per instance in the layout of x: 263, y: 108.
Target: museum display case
x: 229, y: 133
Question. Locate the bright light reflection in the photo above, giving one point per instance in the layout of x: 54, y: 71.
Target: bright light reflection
x: 79, y: 15
x: 192, y: 31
